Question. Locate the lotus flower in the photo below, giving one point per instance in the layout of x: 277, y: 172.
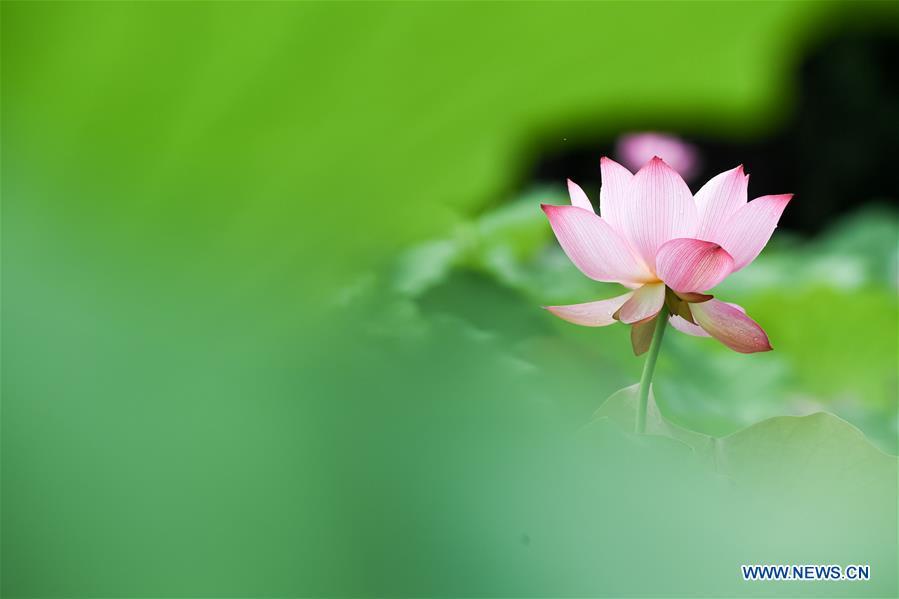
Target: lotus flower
x: 635, y: 149
x: 669, y: 247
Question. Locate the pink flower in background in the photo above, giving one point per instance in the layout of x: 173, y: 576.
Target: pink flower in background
x: 669, y: 247
x: 636, y: 149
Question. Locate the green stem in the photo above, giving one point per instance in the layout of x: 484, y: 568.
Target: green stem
x: 648, y: 367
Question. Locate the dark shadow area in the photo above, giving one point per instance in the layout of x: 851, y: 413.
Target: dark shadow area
x: 836, y: 152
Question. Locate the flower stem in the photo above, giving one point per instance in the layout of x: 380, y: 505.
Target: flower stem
x: 648, y: 367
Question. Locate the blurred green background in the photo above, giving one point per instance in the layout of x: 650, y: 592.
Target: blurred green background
x: 270, y: 304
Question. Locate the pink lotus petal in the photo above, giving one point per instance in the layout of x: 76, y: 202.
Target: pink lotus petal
x: 747, y: 232
x: 614, y: 192
x: 591, y: 314
x: 685, y: 326
x: 719, y: 199
x: 660, y: 208
x: 635, y: 149
x: 594, y: 247
x: 645, y: 302
x: 731, y: 326
x: 690, y: 265
x: 578, y: 197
